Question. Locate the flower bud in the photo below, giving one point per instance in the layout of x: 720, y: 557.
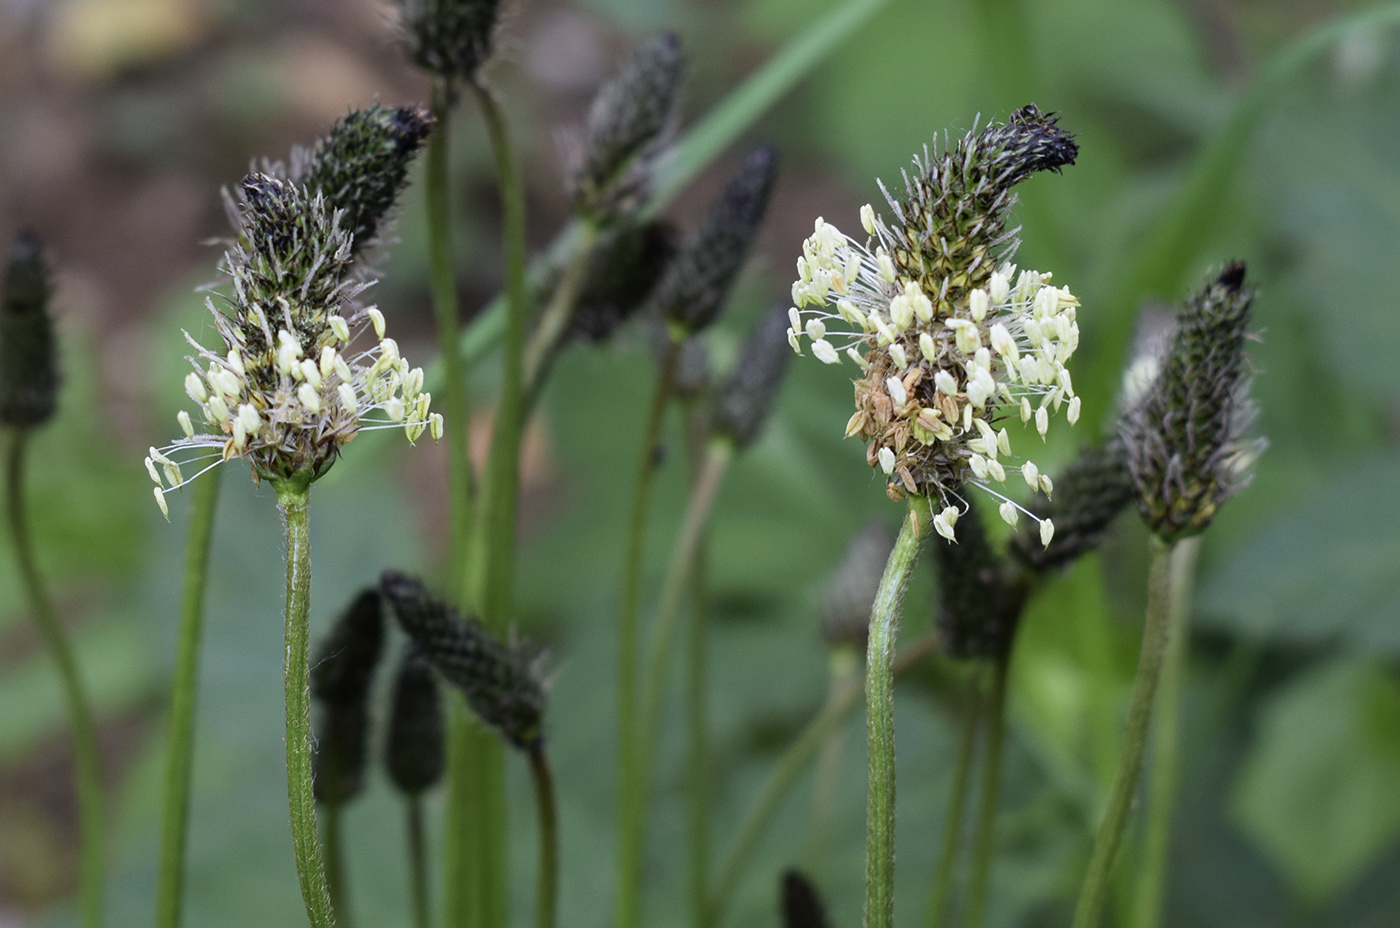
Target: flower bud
x: 449, y: 38
x: 361, y: 165
x: 978, y: 607
x: 415, y: 750
x: 625, y: 265
x: 802, y: 906
x: 498, y: 682
x: 28, y: 354
x: 341, y: 673
x: 744, y: 402
x: 338, y: 764
x: 1089, y: 494
x: 1185, y: 436
x: 697, y: 282
x: 627, y: 124
x: 850, y: 593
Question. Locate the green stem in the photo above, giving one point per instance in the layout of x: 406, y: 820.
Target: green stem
x: 984, y: 845
x: 1154, y: 645
x: 697, y: 761
x: 495, y: 542
x: 629, y: 809
x: 554, y: 321
x: 678, y: 574
x: 294, y: 499
x: 844, y: 677
x: 86, y: 759
x: 335, y: 861
x: 957, y: 799
x: 179, y: 757
x: 1152, y: 871
x: 785, y: 774
x: 460, y: 873
x: 879, y: 714
x: 417, y: 861
x: 437, y: 190
x: 547, y: 887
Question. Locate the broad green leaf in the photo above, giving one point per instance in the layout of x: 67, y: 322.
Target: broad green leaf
x: 1318, y: 791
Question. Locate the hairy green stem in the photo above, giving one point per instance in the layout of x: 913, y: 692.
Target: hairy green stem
x: 417, y: 861
x: 1154, y: 645
x: 785, y: 774
x: 1152, y: 869
x: 879, y: 713
x: 658, y: 661
x: 334, y: 846
x: 87, y: 761
x: 554, y: 320
x: 179, y: 757
x: 547, y: 880
x: 294, y: 498
x: 437, y: 190
x: 957, y: 799
x: 844, y: 677
x: 697, y: 724
x: 629, y: 810
x: 984, y: 845
x: 494, y: 554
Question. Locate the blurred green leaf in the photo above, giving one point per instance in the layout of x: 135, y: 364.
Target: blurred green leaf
x: 1318, y: 791
x: 1324, y: 572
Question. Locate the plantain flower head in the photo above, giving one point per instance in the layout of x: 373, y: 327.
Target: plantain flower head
x: 951, y: 339
x: 293, y: 381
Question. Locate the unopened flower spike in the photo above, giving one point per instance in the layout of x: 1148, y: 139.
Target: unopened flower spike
x: 851, y: 591
x: 1185, y: 437
x: 979, y: 600
x: 449, y: 38
x: 693, y: 290
x: 500, y: 683
x: 623, y: 269
x: 951, y: 340
x: 287, y: 389
x: 415, y: 752
x: 630, y: 120
x: 743, y: 403
x: 28, y: 353
x: 1089, y: 494
x: 341, y: 674
x: 360, y: 166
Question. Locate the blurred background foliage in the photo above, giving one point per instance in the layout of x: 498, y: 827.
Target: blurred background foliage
x: 123, y: 117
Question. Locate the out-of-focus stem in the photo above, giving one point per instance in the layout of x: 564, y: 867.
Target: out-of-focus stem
x: 547, y: 885
x: 984, y: 846
x: 417, y: 861
x: 1154, y: 645
x: 957, y: 799
x: 86, y: 759
x: 335, y: 861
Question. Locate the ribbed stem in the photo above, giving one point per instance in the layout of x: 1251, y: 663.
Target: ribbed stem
x: 957, y: 799
x: 879, y: 714
x: 629, y: 811
x: 785, y: 774
x: 984, y: 845
x: 294, y: 500
x: 547, y: 880
x: 87, y: 761
x: 1152, y: 869
x: 179, y: 758
x: 334, y: 846
x: 1154, y: 646
x: 417, y: 861
x: 437, y: 190
x: 496, y: 541
x: 554, y: 320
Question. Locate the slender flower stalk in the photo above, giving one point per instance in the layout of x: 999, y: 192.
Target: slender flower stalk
x: 28, y: 399
x: 294, y: 500
x: 1166, y: 734
x: 697, y: 695
x: 942, y: 893
x: 785, y: 774
x: 1186, y: 450
x: 179, y: 758
x: 879, y: 713
x: 984, y: 844
x: 547, y: 879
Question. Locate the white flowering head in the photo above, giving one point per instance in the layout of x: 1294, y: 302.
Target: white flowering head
x: 951, y: 340
x: 290, y: 387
